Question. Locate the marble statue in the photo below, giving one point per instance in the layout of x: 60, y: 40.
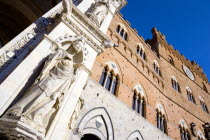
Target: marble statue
x: 100, y: 10
x: 46, y: 94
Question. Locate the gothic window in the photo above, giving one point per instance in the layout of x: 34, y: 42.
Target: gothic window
x: 203, y: 105
x: 109, y: 80
x: 156, y: 67
x: 175, y: 84
x: 190, y: 95
x: 121, y: 30
x: 126, y: 36
x: 118, y: 29
x: 161, y: 121
x: 141, y: 51
x: 171, y: 61
x: 200, y: 135
x: 184, y: 133
x: 139, y: 102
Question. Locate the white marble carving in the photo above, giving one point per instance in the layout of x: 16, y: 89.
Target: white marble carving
x: 67, y: 7
x: 99, y: 11
x: 45, y: 96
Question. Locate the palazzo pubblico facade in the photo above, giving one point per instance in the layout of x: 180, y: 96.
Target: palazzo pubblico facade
x: 76, y: 70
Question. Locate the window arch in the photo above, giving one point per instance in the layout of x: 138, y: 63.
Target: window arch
x: 110, y: 77
x: 175, y: 84
x: 184, y: 131
x: 170, y: 60
x: 122, y: 31
x: 190, y: 95
x: 141, y: 51
x: 139, y: 100
x: 156, y: 67
x: 203, y: 105
x: 200, y: 135
x: 161, y: 119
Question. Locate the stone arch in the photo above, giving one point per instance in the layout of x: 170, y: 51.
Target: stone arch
x: 136, y: 135
x: 174, y: 78
x: 112, y: 64
x: 122, y: 26
x: 156, y: 63
x: 160, y: 107
x: 140, y: 89
x: 96, y: 120
x: 64, y: 41
x: 188, y: 89
x: 183, y: 124
x: 200, y: 134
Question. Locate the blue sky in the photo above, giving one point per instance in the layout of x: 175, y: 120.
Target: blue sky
x: 185, y: 23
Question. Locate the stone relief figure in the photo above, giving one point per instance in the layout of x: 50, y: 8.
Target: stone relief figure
x: 67, y: 6
x: 45, y: 96
x: 99, y: 11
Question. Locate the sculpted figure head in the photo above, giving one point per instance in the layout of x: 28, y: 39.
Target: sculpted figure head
x: 78, y: 44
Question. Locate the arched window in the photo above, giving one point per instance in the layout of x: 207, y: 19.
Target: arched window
x: 141, y: 51
x: 170, y: 60
x: 118, y: 29
x: 175, y: 84
x: 139, y: 102
x: 156, y: 67
x: 184, y: 132
x: 122, y: 31
x: 161, y: 119
x: 190, y: 95
x: 203, y: 105
x: 200, y: 135
x: 126, y: 36
x: 109, y: 79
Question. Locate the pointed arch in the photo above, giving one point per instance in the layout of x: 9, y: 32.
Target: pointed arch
x: 139, y: 100
x: 136, y: 135
x: 162, y: 118
x: 184, y: 130
x: 102, y: 118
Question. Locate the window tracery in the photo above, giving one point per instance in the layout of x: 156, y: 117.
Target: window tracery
x: 184, y: 131
x: 161, y: 119
x: 141, y: 51
x: 121, y: 30
x: 190, y: 95
x: 109, y: 80
x: 203, y: 105
x: 139, y: 102
x: 156, y: 67
x: 175, y: 84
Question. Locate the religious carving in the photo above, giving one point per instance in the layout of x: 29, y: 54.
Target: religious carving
x: 44, y: 98
x: 99, y: 11
x: 67, y: 6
